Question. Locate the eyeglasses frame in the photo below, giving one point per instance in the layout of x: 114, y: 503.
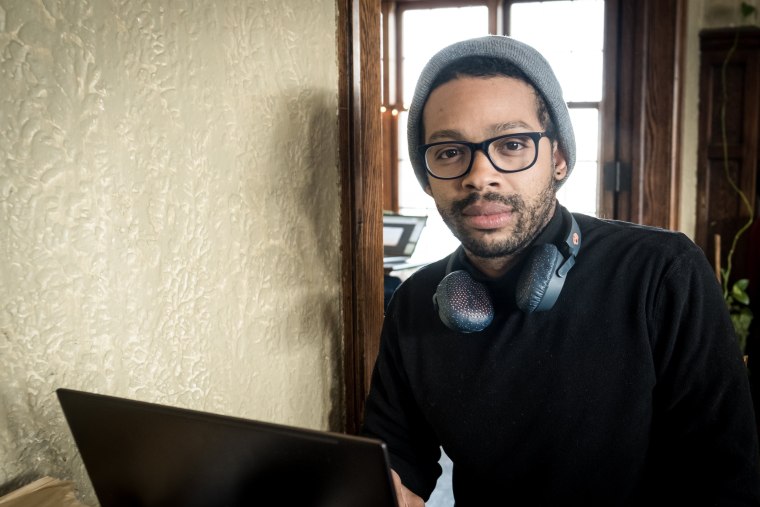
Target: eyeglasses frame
x: 482, y: 146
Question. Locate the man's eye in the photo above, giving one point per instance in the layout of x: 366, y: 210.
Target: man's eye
x: 448, y: 152
x: 512, y: 145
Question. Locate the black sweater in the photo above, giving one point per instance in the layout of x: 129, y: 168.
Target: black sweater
x: 630, y: 391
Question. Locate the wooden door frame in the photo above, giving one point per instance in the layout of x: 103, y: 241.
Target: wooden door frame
x: 360, y: 144
x: 642, y: 166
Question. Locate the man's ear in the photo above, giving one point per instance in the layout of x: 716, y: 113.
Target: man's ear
x: 428, y: 191
x: 560, y: 163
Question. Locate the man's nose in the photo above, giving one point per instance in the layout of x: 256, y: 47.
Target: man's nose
x: 482, y: 174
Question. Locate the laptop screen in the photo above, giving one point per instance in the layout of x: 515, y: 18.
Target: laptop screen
x: 143, y: 454
x: 400, y: 234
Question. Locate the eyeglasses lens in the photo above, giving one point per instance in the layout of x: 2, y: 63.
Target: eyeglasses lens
x: 509, y: 153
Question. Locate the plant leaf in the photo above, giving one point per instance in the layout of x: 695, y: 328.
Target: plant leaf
x: 747, y: 10
x: 739, y: 292
x: 741, y: 322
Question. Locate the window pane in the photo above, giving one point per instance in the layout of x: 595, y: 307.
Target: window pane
x: 586, y: 127
x: 426, y: 31
x: 570, y: 34
x: 579, y: 193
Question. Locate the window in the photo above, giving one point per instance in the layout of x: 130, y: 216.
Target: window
x: 569, y: 33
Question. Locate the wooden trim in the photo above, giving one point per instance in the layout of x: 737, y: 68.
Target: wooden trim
x: 584, y: 105
x: 391, y: 90
x: 679, y: 68
x: 495, y: 17
x: 648, y: 116
x: 390, y: 161
x: 361, y: 197
x: 388, y: 31
x: 608, y: 110
x: 655, y: 195
x: 505, y: 16
x: 398, y: 98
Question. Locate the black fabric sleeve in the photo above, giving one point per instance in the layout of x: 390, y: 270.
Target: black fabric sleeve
x: 392, y: 415
x: 704, y: 442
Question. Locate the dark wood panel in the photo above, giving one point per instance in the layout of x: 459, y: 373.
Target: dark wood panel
x: 640, y: 153
x: 719, y: 209
x: 390, y: 166
x: 361, y: 203
x: 651, y: 69
x: 610, y: 110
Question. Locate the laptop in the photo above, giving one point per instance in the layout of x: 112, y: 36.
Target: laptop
x: 150, y: 455
x: 400, y: 236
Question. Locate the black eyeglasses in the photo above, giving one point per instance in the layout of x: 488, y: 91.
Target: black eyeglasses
x: 510, y: 153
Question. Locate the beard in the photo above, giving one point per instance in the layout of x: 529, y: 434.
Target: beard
x: 532, y: 218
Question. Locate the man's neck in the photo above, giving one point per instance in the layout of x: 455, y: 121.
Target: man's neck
x: 494, y: 267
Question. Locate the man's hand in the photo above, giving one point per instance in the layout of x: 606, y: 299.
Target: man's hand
x: 404, y: 496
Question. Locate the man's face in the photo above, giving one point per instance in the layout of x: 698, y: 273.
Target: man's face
x: 493, y: 214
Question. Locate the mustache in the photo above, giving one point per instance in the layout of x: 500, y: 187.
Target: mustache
x: 512, y: 200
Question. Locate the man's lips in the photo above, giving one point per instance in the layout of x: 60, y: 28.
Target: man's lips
x: 487, y: 215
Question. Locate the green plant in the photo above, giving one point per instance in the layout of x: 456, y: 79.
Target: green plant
x: 737, y: 301
x: 735, y: 295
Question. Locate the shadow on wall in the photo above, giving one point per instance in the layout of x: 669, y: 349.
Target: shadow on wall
x: 302, y: 194
x: 306, y: 195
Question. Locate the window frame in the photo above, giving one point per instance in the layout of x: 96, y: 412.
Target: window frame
x: 638, y: 172
x: 643, y: 69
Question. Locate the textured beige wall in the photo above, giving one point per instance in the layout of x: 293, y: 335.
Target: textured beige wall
x: 169, y: 214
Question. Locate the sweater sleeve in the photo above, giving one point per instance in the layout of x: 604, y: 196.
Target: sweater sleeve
x: 393, y: 416
x: 704, y: 440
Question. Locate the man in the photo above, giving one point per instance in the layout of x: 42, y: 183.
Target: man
x: 571, y: 361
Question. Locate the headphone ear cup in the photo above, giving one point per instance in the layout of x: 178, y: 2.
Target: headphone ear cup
x: 536, y: 275
x: 463, y: 304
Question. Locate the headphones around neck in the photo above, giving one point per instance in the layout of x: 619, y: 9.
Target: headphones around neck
x: 465, y: 305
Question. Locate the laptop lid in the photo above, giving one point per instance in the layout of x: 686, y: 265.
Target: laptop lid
x: 144, y: 454
x: 400, y: 236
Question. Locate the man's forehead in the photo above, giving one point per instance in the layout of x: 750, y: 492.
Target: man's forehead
x: 495, y: 104
x: 496, y: 89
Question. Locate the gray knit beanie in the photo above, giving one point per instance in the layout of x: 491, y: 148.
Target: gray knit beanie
x: 522, y: 56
